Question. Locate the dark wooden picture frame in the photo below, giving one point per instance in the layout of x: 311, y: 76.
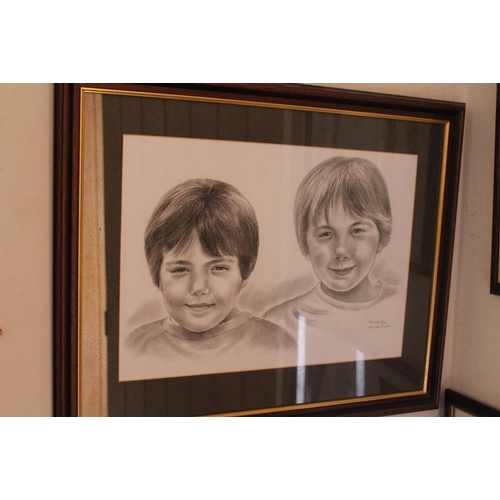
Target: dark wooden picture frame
x: 454, y: 400
x: 495, y: 244
x: 85, y: 376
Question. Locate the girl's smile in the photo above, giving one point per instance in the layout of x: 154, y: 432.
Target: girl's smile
x: 342, y: 251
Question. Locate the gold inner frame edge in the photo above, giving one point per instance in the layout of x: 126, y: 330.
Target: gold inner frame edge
x: 446, y: 123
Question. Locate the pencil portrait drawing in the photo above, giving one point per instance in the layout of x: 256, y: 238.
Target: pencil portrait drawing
x: 201, y: 245
x: 343, y: 220
x: 260, y: 256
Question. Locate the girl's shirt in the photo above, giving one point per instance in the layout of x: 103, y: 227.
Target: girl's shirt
x: 331, y: 331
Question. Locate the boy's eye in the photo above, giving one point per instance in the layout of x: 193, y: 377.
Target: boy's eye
x: 358, y: 230
x: 179, y: 270
x: 220, y: 268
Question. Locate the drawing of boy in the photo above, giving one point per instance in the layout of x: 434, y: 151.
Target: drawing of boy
x: 343, y: 220
x: 201, y: 245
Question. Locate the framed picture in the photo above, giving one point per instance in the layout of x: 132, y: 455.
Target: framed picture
x: 460, y: 405
x: 243, y: 249
x: 495, y: 247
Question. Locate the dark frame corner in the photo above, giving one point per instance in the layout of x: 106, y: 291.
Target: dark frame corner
x: 454, y: 399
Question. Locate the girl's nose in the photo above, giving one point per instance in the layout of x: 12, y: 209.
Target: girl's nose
x: 341, y: 249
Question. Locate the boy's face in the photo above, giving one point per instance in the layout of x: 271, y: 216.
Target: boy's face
x: 342, y: 251
x: 199, y: 290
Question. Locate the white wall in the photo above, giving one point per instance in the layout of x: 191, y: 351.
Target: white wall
x: 26, y: 249
x: 472, y: 353
x: 476, y: 353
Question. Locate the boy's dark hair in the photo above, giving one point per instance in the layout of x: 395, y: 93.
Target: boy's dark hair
x: 215, y: 212
x: 355, y: 184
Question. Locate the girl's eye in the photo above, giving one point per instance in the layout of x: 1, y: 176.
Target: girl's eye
x: 325, y: 234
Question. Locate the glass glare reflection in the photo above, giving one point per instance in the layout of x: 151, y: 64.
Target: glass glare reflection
x: 301, y: 361
x: 360, y: 374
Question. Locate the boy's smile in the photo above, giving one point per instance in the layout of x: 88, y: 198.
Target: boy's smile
x: 199, y: 308
x: 342, y: 251
x: 199, y: 290
x: 342, y: 272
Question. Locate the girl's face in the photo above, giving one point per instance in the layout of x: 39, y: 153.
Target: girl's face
x: 342, y: 251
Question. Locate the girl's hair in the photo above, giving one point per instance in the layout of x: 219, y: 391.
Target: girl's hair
x: 215, y: 212
x: 355, y: 184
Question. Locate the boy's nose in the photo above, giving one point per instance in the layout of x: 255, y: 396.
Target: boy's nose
x: 341, y: 249
x: 199, y: 285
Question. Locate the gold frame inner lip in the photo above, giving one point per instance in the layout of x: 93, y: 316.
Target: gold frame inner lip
x: 166, y: 95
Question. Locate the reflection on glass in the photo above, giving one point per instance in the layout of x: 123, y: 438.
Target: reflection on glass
x: 360, y: 374
x: 301, y: 361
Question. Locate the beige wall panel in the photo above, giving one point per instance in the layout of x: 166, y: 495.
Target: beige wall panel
x: 26, y: 134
